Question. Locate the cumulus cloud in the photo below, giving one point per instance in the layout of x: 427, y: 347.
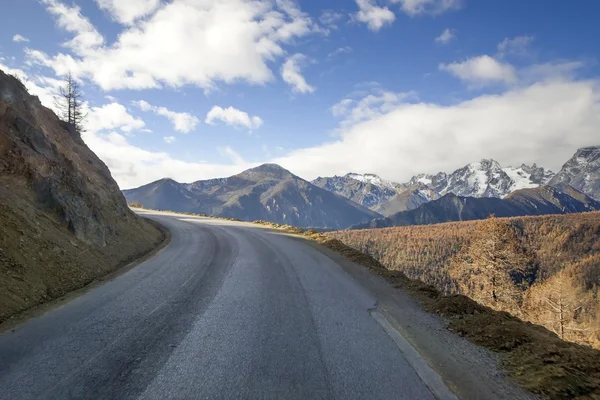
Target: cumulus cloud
x: 375, y: 16
x: 544, y: 123
x: 112, y: 116
x: 182, y: 42
x: 87, y: 38
x: 291, y: 74
x: 182, y: 121
x: 19, y: 38
x: 169, y: 139
x: 481, y: 71
x: 233, y: 117
x: 446, y: 36
x: 127, y: 12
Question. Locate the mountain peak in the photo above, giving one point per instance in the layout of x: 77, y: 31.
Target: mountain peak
x: 273, y: 171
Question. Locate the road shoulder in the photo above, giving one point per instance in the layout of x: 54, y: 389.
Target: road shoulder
x: 470, y: 371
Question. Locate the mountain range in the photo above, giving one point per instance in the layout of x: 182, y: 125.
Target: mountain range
x: 268, y: 192
x: 481, y: 179
x: 532, y: 201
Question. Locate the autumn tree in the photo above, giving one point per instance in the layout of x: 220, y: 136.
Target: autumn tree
x: 492, y: 269
x: 69, y: 102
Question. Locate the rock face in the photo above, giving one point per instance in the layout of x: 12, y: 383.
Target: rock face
x: 57, y: 200
x: 534, y: 201
x: 582, y: 172
x: 368, y: 190
x: 267, y: 192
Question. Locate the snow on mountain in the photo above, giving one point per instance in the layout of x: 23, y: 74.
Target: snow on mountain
x: 486, y: 178
x: 372, y: 179
x: 368, y: 190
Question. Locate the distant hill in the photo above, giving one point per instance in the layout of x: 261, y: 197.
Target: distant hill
x: 267, y: 192
x: 535, y: 201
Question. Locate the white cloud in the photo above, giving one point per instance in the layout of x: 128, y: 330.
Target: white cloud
x: 550, y: 71
x: 446, y: 36
x: 340, y: 50
x: 357, y: 108
x: 291, y: 74
x: 434, y: 7
x: 169, y: 139
x: 543, y: 123
x: 374, y: 16
x: 19, y: 38
x: 127, y: 12
x: 482, y: 70
x: 233, y: 117
x: 196, y: 42
x: 70, y: 19
x: 112, y: 116
x: 42, y: 87
x: 519, y: 46
x: 182, y: 121
x: 330, y: 18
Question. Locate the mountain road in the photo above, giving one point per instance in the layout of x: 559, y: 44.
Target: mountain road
x: 225, y: 310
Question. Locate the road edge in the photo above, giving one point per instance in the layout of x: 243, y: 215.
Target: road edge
x: 21, y: 318
x: 430, y: 378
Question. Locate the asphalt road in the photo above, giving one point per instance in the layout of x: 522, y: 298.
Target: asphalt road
x: 226, y: 310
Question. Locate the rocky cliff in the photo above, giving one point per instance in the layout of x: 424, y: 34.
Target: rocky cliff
x: 63, y: 219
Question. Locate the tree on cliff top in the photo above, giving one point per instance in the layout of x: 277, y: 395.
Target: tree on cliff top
x: 69, y: 102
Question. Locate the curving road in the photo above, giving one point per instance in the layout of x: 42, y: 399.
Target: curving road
x: 226, y: 310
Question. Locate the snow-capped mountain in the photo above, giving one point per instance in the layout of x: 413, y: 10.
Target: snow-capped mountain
x: 368, y: 190
x: 486, y: 178
x: 582, y: 172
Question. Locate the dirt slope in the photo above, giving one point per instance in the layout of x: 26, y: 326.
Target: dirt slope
x: 63, y: 219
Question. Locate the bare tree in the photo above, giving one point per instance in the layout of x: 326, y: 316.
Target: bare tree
x: 69, y: 102
x: 490, y: 269
x: 556, y: 304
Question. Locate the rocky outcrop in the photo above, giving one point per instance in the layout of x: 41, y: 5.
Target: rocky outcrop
x: 57, y: 201
x: 582, y: 172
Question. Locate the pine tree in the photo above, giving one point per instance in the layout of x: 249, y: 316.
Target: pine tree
x: 69, y: 102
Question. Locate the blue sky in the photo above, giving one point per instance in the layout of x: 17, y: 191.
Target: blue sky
x: 193, y: 89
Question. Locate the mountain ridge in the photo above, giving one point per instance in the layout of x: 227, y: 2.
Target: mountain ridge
x: 450, y: 207
x: 267, y: 192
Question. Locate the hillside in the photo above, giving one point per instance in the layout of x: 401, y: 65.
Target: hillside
x: 63, y: 220
x: 267, y: 192
x: 561, y: 264
x: 536, y: 201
